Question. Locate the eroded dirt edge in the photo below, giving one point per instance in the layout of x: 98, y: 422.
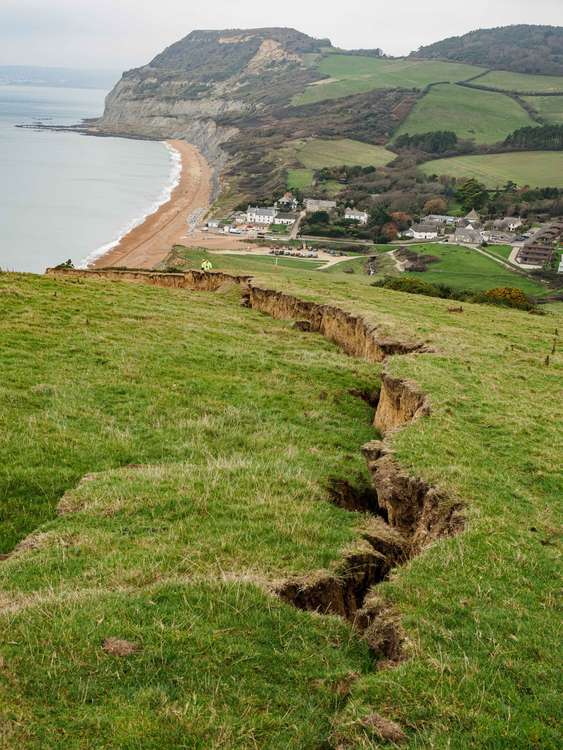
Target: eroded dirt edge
x: 402, y: 514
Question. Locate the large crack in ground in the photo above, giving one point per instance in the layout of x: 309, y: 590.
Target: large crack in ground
x: 403, y: 514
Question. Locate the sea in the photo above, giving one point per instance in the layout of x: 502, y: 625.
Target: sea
x: 70, y: 196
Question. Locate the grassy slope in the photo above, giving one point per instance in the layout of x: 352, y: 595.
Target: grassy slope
x: 318, y: 153
x: 459, y: 267
x: 549, y: 107
x: 482, y: 116
x: 534, y: 168
x: 240, y: 264
x: 299, y: 179
x: 223, y: 664
x: 467, y: 269
x: 350, y: 74
x: 504, y: 79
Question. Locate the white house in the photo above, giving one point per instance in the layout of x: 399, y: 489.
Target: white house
x: 422, y: 232
x: 255, y: 215
x: 214, y: 223
x: 352, y: 215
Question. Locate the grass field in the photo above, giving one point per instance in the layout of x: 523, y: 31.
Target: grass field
x: 459, y: 267
x: 533, y: 168
x: 212, y: 432
x: 186, y: 258
x: 351, y: 74
x: 299, y: 179
x: 504, y: 79
x: 549, y: 107
x: 468, y: 269
x: 482, y: 116
x: 318, y: 153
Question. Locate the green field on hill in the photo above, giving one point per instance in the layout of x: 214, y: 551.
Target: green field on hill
x: 319, y: 153
x: 458, y: 267
x: 299, y: 179
x: 354, y: 74
x: 549, y: 107
x: 533, y: 168
x: 463, y: 268
x: 209, y: 434
x: 481, y: 116
x: 509, y: 81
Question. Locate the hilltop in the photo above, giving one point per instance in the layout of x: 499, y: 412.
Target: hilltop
x: 522, y: 48
x: 250, y: 101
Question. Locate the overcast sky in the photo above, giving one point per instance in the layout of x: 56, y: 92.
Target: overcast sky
x: 121, y: 34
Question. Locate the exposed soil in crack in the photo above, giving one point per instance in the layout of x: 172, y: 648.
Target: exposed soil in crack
x: 403, y: 514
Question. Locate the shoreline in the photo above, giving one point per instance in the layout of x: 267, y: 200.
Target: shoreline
x: 148, y: 244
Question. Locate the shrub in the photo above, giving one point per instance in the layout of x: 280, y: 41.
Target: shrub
x: 505, y: 296
x: 509, y: 296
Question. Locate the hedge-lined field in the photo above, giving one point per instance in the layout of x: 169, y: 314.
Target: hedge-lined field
x: 481, y: 116
x: 533, y: 168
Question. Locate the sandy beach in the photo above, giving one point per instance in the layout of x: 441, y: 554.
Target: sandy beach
x: 149, y: 243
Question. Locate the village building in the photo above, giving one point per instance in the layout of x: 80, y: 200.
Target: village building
x: 287, y: 219
x: 239, y: 217
x: 472, y: 218
x: 360, y: 216
x: 468, y: 235
x: 214, y: 223
x: 255, y: 215
x: 312, y: 205
x: 422, y: 232
x: 440, y: 219
x: 509, y: 223
x: 288, y: 201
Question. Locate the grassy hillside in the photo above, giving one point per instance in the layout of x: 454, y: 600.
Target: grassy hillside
x: 533, y: 168
x: 482, y: 116
x: 175, y: 539
x: 318, y: 153
x: 504, y: 79
x: 458, y: 267
x: 353, y: 74
x: 467, y: 269
x: 549, y: 107
x: 524, y: 48
x: 299, y: 179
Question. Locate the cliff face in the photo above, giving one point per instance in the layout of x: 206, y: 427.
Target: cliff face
x: 206, y: 77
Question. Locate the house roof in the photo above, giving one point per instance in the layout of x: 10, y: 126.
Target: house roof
x: 473, y: 215
x: 428, y: 228
x: 262, y: 211
x: 468, y: 234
